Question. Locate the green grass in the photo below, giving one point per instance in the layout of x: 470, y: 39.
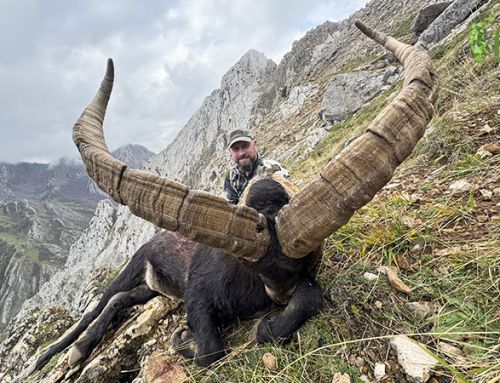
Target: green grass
x: 403, y: 28
x: 22, y: 245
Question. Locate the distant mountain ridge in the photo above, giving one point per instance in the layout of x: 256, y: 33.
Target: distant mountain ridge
x: 66, y: 179
x: 44, y: 209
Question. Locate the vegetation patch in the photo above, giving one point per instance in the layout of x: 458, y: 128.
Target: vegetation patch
x: 22, y: 246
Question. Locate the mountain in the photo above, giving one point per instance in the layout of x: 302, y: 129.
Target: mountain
x: 323, y: 93
x: 135, y: 156
x: 44, y: 209
x: 65, y: 180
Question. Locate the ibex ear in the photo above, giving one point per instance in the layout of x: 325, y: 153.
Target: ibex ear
x: 352, y: 178
x: 200, y: 216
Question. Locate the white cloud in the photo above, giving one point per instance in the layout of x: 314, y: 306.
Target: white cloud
x: 169, y: 55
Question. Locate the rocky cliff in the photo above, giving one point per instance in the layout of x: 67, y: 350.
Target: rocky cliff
x: 291, y: 108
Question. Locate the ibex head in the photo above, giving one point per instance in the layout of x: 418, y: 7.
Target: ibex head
x: 347, y: 182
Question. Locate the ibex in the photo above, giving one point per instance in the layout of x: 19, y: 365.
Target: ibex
x: 228, y: 262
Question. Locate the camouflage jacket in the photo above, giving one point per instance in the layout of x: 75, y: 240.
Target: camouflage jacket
x: 236, y: 179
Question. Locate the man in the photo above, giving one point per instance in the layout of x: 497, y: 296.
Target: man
x: 248, y: 164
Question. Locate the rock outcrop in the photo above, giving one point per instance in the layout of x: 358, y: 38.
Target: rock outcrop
x: 457, y: 12
x: 347, y: 93
x: 427, y: 15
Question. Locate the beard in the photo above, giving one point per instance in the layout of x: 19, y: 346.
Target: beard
x: 245, y: 164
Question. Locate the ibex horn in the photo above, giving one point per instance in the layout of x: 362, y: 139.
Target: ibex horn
x: 355, y: 175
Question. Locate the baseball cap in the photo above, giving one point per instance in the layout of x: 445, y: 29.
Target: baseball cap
x: 239, y: 135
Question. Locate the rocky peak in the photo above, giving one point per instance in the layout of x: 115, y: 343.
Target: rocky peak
x: 251, y: 64
x: 135, y: 156
x: 227, y: 108
x: 305, y: 51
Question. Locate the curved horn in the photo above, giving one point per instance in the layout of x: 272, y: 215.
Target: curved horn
x: 352, y: 178
x: 198, y: 215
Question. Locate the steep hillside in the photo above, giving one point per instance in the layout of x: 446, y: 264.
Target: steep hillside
x: 435, y: 225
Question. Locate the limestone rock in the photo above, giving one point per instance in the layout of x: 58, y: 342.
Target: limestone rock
x: 315, y: 138
x: 389, y: 74
x: 486, y: 194
x: 427, y: 15
x: 370, y: 276
x: 122, y: 352
x: 447, y: 20
x: 27, y: 334
x: 460, y: 186
x: 416, y: 362
x: 160, y: 368
x: 347, y: 93
x: 421, y: 310
x: 295, y: 100
x: 379, y: 370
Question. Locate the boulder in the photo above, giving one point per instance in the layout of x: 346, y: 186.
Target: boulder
x: 427, y: 15
x: 347, y: 93
x: 315, y: 137
x: 447, y: 20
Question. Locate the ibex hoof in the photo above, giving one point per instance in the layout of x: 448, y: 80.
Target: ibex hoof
x: 75, y: 356
x: 183, y: 342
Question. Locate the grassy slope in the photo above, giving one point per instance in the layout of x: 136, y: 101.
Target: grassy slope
x: 445, y: 246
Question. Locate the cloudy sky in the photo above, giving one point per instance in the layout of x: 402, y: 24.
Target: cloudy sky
x: 169, y: 55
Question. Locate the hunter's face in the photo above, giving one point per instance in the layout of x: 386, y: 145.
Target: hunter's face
x: 244, y: 154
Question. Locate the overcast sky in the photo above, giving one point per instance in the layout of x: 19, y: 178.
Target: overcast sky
x: 169, y: 55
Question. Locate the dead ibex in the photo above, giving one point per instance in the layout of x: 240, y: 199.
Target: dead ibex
x: 250, y: 257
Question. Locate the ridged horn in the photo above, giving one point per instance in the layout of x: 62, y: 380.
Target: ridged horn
x: 355, y: 175
x: 198, y: 215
